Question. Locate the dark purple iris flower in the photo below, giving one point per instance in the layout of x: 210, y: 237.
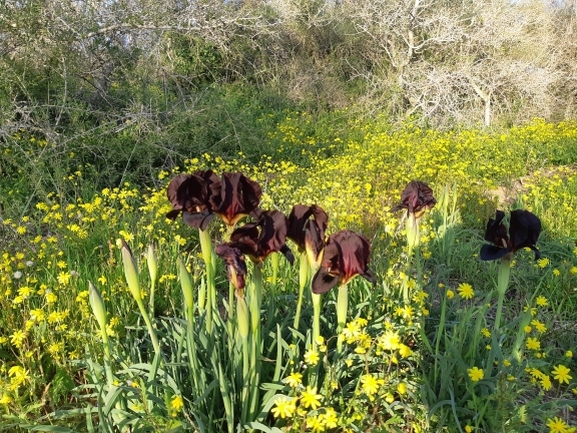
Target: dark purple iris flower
x: 416, y: 198
x: 200, y: 195
x: 345, y: 256
x: 524, y: 231
x: 308, y: 233
x: 237, y: 198
x: 190, y: 195
x: 263, y: 237
x: 235, y: 265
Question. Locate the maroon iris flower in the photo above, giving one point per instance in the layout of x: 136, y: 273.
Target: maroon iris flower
x: 524, y: 231
x: 191, y: 195
x: 200, y: 195
x: 345, y: 256
x: 307, y: 233
x: 416, y: 198
x: 235, y: 265
x: 239, y: 196
x: 263, y: 237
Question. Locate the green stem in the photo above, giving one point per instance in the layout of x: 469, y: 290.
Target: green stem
x: 152, y: 263
x: 187, y: 290
x: 502, y: 284
x: 231, y: 301
x: 316, y: 318
x: 303, y: 281
x: 439, y: 335
x: 247, y: 386
x: 243, y: 325
x: 151, y: 300
x: 255, y: 302
x: 107, y: 357
x: 275, y: 265
x: 412, y: 229
x: 207, y: 255
x: 419, y: 264
x: 148, y: 323
x: 342, y: 306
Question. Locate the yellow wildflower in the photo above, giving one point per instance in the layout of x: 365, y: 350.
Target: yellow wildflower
x: 310, y: 398
x: 466, y: 291
x: 476, y: 374
x: 284, y: 407
x: 533, y: 344
x: 294, y: 379
x: 561, y: 373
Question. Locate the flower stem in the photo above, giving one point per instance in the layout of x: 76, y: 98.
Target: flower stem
x: 342, y: 306
x: 275, y: 265
x: 502, y: 284
x: 187, y: 291
x: 148, y: 323
x: 316, y: 318
x: 152, y: 263
x: 255, y: 300
x: 439, y: 335
x: 206, y: 247
x: 304, y: 272
x: 412, y: 229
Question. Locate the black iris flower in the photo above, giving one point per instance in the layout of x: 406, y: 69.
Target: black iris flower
x: 524, y: 231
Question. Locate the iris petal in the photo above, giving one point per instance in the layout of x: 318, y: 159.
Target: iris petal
x: 369, y: 276
x: 296, y: 224
x: 524, y: 229
x: 266, y: 235
x: 191, y: 194
x: 323, y: 281
x: 199, y: 220
x: 496, y: 231
x: 416, y: 198
x: 236, y: 267
x: 307, y: 232
x: 491, y: 252
x: 346, y: 255
x: 239, y: 196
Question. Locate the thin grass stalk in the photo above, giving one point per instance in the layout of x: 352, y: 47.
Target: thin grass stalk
x: 502, y: 285
x: 519, y: 340
x: 226, y: 398
x: 196, y: 374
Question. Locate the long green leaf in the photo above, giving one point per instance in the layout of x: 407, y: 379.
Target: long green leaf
x: 261, y: 427
x: 48, y: 428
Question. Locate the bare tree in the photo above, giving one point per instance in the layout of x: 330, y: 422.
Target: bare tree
x: 452, y: 61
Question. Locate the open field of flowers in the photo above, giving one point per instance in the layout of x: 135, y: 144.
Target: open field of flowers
x: 117, y: 318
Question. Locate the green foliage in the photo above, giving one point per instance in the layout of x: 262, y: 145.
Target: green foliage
x: 197, y: 63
